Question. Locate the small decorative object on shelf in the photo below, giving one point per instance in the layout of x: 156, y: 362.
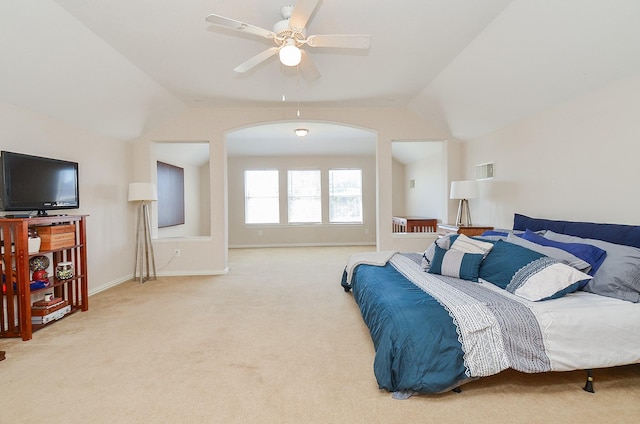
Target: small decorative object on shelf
x: 34, y: 240
x: 38, y: 262
x: 40, y: 275
x: 57, y: 236
x: 64, y: 270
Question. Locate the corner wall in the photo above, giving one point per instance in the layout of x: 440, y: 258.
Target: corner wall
x: 104, y: 174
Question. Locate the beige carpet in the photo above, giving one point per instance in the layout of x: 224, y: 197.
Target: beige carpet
x: 276, y: 340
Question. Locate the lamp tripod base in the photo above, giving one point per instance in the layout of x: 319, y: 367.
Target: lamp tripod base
x: 463, y: 211
x: 145, y: 266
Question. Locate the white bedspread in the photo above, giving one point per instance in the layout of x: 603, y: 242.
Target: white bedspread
x: 367, y: 258
x: 584, y: 330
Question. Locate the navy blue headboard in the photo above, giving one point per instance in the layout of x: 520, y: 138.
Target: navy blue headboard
x: 614, y: 233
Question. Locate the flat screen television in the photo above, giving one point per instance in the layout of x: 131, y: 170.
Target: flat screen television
x: 35, y: 183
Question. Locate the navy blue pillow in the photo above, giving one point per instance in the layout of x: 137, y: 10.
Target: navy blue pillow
x: 489, y: 233
x: 587, y: 252
x: 628, y: 235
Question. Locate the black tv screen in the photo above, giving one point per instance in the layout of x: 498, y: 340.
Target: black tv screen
x: 34, y: 183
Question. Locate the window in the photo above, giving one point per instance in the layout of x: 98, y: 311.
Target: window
x: 261, y: 197
x: 345, y: 195
x: 304, y: 196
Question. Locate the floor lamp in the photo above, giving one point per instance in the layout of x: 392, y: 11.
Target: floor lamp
x: 464, y: 190
x: 143, y: 193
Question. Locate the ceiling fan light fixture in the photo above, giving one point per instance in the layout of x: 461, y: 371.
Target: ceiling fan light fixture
x: 301, y: 132
x: 290, y: 54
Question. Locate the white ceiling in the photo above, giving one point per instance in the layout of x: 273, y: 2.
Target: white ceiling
x: 170, y: 41
x: 122, y: 67
x: 278, y: 139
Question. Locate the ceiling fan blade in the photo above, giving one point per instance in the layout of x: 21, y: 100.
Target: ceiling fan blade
x: 308, y: 68
x: 301, y: 13
x: 239, y: 26
x: 256, y: 60
x: 340, y: 41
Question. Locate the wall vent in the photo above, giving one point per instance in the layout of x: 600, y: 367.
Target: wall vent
x: 484, y: 171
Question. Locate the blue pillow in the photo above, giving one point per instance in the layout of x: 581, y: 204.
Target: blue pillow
x: 444, y: 242
x: 528, y: 274
x: 552, y: 252
x: 628, y: 235
x: 504, y: 260
x: 619, y: 275
x: 453, y: 263
x: 587, y: 252
x: 489, y: 233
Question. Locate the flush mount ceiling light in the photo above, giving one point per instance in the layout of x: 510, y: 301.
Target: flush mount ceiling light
x: 301, y: 132
x: 290, y: 54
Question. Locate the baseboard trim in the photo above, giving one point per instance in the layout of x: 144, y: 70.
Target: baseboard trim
x: 192, y: 273
x: 250, y: 246
x: 110, y: 284
x: 129, y: 277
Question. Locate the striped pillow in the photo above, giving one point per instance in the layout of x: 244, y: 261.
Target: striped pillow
x: 453, y: 263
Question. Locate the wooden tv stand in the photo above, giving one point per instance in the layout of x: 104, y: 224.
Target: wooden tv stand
x: 18, y: 295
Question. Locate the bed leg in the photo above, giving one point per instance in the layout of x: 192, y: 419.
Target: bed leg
x: 343, y: 283
x: 588, y: 387
x: 456, y: 390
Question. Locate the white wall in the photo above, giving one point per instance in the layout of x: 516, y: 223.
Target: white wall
x: 211, y: 124
x: 576, y: 161
x: 426, y: 198
x: 105, y: 166
x: 399, y: 203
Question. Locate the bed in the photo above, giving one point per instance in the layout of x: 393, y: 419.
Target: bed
x: 545, y: 296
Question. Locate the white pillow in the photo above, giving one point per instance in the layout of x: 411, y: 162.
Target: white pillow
x: 545, y: 279
x: 466, y: 244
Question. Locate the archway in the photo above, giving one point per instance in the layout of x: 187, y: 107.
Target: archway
x: 327, y: 146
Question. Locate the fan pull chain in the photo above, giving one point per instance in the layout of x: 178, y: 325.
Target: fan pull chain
x: 298, y: 87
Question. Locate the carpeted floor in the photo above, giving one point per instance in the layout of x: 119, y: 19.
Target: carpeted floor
x: 276, y: 340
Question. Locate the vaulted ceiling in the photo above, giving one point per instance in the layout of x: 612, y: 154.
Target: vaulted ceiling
x: 121, y: 67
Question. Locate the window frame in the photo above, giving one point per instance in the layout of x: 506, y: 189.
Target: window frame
x: 332, y: 196
x: 317, y: 197
x: 248, y: 197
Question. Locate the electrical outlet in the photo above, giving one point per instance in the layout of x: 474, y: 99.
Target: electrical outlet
x: 259, y: 232
x: 177, y: 252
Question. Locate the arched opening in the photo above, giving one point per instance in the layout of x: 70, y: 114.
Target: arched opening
x: 326, y: 149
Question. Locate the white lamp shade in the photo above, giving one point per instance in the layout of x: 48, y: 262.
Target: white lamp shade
x: 464, y: 190
x: 142, y: 192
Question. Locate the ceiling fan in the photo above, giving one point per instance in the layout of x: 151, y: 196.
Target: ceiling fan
x: 289, y: 36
